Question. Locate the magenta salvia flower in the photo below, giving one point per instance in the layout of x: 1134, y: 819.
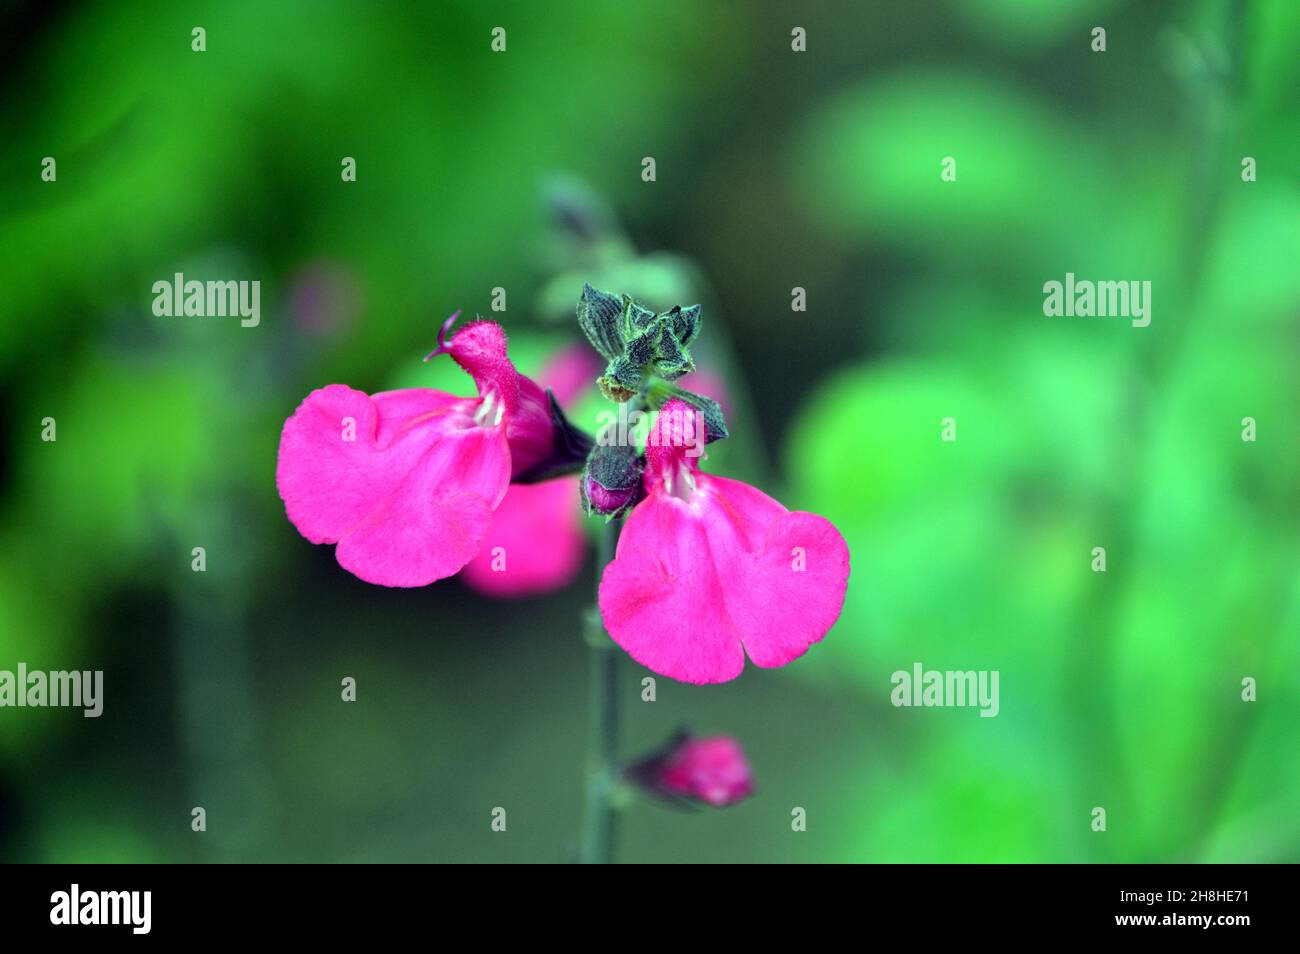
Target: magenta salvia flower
x: 712, y: 770
x: 709, y: 569
x: 405, y: 482
x: 536, y: 530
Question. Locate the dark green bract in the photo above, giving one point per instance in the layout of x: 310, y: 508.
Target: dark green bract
x: 639, y: 345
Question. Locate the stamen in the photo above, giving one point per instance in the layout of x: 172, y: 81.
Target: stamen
x: 444, y: 344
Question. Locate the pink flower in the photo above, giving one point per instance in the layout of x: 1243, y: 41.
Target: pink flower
x: 712, y: 770
x: 536, y: 544
x: 708, y: 569
x: 405, y: 482
x: 570, y: 373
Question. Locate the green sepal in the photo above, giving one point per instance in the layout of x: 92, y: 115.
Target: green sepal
x: 671, y: 359
x: 715, y: 422
x: 638, y: 318
x: 684, y: 323
x: 622, y: 380
x: 642, y: 349
x: 641, y: 346
x: 601, y: 317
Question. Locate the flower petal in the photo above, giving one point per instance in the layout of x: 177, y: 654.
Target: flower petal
x: 746, y: 509
x: 404, y: 482
x: 528, y: 426
x: 787, y: 595
x: 332, y: 466
x: 539, y: 535
x: 661, y: 597
x: 400, y: 411
x: 434, y: 520
x: 676, y: 440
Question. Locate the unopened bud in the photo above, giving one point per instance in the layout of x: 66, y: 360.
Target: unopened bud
x: 611, y: 481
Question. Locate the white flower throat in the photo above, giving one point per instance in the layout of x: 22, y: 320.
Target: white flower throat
x: 679, y: 481
x: 490, y: 410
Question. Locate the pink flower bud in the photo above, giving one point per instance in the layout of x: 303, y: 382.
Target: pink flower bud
x: 712, y: 770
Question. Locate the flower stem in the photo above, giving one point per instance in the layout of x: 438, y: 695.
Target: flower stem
x: 599, y: 821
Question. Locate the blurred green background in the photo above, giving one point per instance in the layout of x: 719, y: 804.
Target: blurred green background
x: 775, y: 169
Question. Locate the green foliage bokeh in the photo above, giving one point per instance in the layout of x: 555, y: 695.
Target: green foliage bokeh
x: 775, y: 170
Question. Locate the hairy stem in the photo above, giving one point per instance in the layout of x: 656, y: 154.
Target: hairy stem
x: 599, y: 821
